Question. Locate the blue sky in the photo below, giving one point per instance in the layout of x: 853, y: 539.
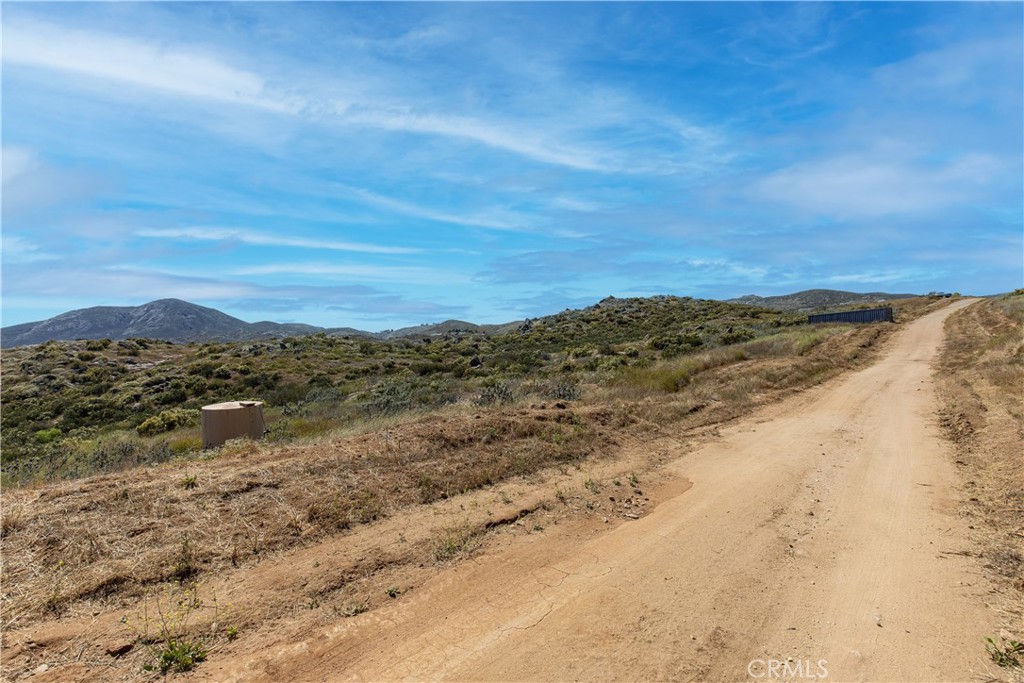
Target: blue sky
x: 379, y: 165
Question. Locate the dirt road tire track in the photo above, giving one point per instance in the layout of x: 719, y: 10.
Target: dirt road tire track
x: 822, y: 528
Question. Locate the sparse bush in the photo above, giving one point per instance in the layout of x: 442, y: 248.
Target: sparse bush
x: 582, y: 351
x: 90, y: 411
x: 320, y: 379
x: 355, y: 608
x: 168, y: 420
x: 185, y: 564
x: 180, y: 656
x: 390, y: 397
x: 204, y: 369
x: 128, y: 348
x: 47, y: 435
x: 676, y: 344
x: 185, y: 444
x: 176, y: 394
x: 1006, y: 655
x: 454, y: 542
x: 736, y: 335
x: 166, y: 628
x: 261, y: 380
x: 498, y: 392
x: 563, y: 391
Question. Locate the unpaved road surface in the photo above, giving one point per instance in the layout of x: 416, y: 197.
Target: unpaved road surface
x: 823, y: 531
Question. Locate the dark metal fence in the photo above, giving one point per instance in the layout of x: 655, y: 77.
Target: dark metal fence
x: 870, y: 315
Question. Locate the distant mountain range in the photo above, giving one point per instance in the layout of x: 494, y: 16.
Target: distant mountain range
x: 180, y: 321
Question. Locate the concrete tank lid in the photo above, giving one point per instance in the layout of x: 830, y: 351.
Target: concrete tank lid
x: 232, y: 405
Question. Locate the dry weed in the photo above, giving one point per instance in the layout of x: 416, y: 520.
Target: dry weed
x: 982, y: 389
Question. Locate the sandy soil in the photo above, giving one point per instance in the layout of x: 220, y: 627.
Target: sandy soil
x: 823, y: 531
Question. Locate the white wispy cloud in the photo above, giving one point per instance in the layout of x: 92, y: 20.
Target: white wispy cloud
x: 496, y: 219
x: 83, y: 286
x: 881, y: 276
x: 179, y: 70
x: 727, y: 268
x: 413, y: 42
x: 17, y: 161
x: 17, y: 249
x: 960, y: 74
x: 30, y: 182
x: 216, y: 234
x: 515, y: 139
x: 120, y: 284
x: 866, y: 185
x: 576, y: 204
x: 403, y: 274
x: 574, y: 138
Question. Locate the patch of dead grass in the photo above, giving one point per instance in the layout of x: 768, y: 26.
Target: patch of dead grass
x: 981, y: 386
x: 117, y: 534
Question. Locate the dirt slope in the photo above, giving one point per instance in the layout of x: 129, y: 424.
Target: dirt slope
x: 823, y: 529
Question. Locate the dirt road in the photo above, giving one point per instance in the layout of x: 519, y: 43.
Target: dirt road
x: 822, y: 531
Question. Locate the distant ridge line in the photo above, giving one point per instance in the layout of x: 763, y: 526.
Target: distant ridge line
x: 181, y: 321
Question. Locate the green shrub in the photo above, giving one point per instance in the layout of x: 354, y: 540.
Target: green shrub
x: 262, y: 380
x: 152, y: 426
x: 388, y: 398
x: 676, y: 344
x: 185, y: 445
x: 564, y: 391
x: 92, y: 411
x: 498, y: 392
x: 47, y: 435
x: 168, y: 420
x: 205, y: 369
x: 175, y: 395
x: 736, y: 335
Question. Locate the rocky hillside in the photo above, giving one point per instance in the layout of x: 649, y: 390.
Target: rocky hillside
x: 816, y: 299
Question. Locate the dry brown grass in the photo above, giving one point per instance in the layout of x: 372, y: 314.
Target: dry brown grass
x: 725, y: 383
x: 117, y: 534
x: 982, y: 388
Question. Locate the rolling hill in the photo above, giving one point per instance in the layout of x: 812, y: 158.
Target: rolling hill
x: 816, y: 299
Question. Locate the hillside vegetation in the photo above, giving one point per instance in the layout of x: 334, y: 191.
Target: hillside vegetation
x: 74, y: 408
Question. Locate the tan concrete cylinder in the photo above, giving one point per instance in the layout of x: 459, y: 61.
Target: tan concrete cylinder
x: 231, y: 420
